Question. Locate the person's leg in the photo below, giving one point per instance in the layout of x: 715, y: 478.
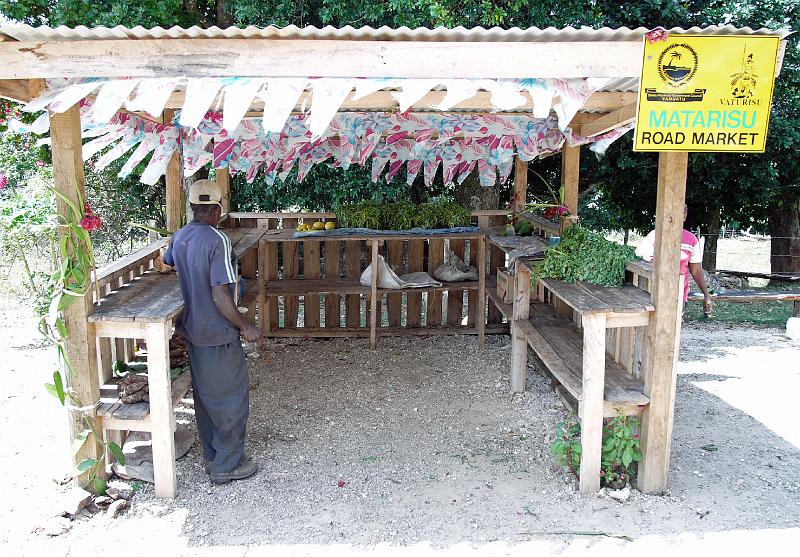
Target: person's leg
x: 223, y: 386
x: 204, y: 425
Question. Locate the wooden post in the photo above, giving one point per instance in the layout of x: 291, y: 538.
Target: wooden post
x: 224, y: 182
x: 520, y: 185
x: 81, y: 344
x: 591, y: 405
x: 480, y: 310
x: 520, y: 312
x: 663, y: 333
x: 162, y: 418
x: 373, y: 298
x: 176, y: 206
x: 570, y: 173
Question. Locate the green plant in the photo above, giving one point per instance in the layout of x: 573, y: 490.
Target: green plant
x: 70, y: 283
x: 566, y: 447
x: 360, y: 215
x: 585, y: 255
x: 621, y: 449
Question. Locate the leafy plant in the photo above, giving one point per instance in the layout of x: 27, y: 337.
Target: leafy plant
x: 566, y: 447
x: 585, y: 255
x: 360, y: 215
x: 621, y: 449
x: 403, y: 215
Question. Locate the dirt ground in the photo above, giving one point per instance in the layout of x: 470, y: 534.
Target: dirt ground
x: 437, y: 457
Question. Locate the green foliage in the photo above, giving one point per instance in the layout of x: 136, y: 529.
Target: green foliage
x: 620, y: 450
x: 403, y: 215
x: 585, y: 255
x: 566, y: 447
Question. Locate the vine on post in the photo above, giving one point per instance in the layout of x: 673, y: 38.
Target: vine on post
x: 71, y: 282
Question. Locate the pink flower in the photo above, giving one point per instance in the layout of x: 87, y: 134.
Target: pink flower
x: 340, y: 483
x: 636, y: 436
x: 40, y: 163
x: 657, y: 35
x: 3, y: 180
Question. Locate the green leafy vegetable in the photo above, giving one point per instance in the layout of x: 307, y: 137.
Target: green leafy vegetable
x: 588, y: 256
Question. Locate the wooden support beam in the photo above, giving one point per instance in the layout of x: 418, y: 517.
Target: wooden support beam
x: 162, y: 417
x: 520, y: 312
x: 224, y: 182
x: 81, y: 345
x: 607, y: 122
x: 520, y: 185
x: 663, y: 333
x: 590, y: 406
x: 176, y: 207
x: 17, y: 90
x: 373, y: 297
x: 601, y: 101
x: 326, y: 58
x: 570, y: 174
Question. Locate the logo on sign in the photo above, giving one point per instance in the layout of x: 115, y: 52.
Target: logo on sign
x: 677, y: 65
x: 743, y: 82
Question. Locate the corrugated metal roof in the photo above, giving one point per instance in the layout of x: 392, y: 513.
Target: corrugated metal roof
x: 22, y: 32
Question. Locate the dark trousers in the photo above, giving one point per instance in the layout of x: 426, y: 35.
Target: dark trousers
x: 221, y: 402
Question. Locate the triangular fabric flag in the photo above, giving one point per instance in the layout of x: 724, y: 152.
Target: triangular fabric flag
x: 200, y: 93
x: 239, y: 94
x: 280, y: 97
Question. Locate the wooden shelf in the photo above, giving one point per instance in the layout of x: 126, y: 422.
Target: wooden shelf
x: 465, y: 285
x: 299, y: 287
x: 288, y: 236
x: 542, y: 223
x: 558, y: 343
x: 112, y: 409
x: 491, y: 291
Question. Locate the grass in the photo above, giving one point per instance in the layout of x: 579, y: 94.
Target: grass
x: 773, y: 314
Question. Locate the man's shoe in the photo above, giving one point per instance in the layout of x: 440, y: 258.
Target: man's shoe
x: 245, y: 469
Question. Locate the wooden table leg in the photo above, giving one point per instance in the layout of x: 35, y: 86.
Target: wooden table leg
x: 162, y: 417
x: 373, y: 298
x: 520, y: 312
x: 480, y: 314
x: 591, y: 407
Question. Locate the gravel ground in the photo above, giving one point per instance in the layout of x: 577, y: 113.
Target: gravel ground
x: 434, y: 453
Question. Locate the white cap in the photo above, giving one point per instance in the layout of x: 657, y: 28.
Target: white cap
x: 205, y: 192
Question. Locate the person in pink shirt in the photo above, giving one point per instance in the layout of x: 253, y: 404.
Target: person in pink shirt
x: 691, y: 262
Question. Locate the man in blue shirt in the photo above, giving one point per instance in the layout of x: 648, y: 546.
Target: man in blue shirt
x: 212, y: 324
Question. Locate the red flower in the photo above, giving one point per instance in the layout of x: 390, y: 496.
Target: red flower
x: 90, y: 220
x: 3, y: 180
x: 656, y: 35
x: 340, y: 483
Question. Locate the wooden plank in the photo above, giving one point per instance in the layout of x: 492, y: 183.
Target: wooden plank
x: 472, y: 295
x: 394, y: 302
x: 332, y: 272
x: 105, y: 360
x: 17, y: 90
x: 435, y: 258
x: 224, y: 183
x: 747, y: 296
x: 491, y: 291
x: 265, y: 255
x: 520, y: 197
x: 80, y: 344
x: 520, y: 313
x: 664, y: 329
x: 311, y: 271
x: 161, y: 415
x: 416, y: 251
x: 281, y: 215
x: 303, y: 57
x: 455, y: 298
x: 570, y: 175
x: 289, y: 236
x: 352, y: 271
x: 591, y: 404
x: 373, y: 297
x: 361, y: 332
x: 480, y: 310
x: 133, y: 260
x: 299, y: 287
x: 547, y: 227
x: 607, y: 122
x: 291, y: 270
x: 176, y: 208
x: 496, y: 259
x: 576, y: 296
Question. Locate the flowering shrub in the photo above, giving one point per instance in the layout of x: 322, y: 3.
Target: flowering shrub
x: 657, y: 35
x: 553, y: 213
x: 90, y: 220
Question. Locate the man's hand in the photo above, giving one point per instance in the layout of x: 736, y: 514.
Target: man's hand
x: 251, y: 333
x: 707, y: 304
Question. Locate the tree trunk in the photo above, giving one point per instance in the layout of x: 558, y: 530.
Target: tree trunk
x: 711, y: 236
x: 473, y: 196
x: 784, y: 227
x: 224, y: 16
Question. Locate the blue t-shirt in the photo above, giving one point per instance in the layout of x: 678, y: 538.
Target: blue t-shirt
x: 203, y: 258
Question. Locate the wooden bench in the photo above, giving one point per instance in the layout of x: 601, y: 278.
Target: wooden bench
x: 577, y: 359
x: 318, y: 271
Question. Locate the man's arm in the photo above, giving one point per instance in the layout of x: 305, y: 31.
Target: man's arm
x: 224, y: 302
x: 696, y: 270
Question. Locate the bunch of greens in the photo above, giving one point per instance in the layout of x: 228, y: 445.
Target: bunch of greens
x: 403, y: 215
x: 585, y: 255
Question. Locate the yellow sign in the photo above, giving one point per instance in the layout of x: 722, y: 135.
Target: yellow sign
x: 706, y: 93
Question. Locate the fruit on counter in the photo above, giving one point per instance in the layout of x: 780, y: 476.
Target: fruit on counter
x: 330, y: 225
x: 319, y: 225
